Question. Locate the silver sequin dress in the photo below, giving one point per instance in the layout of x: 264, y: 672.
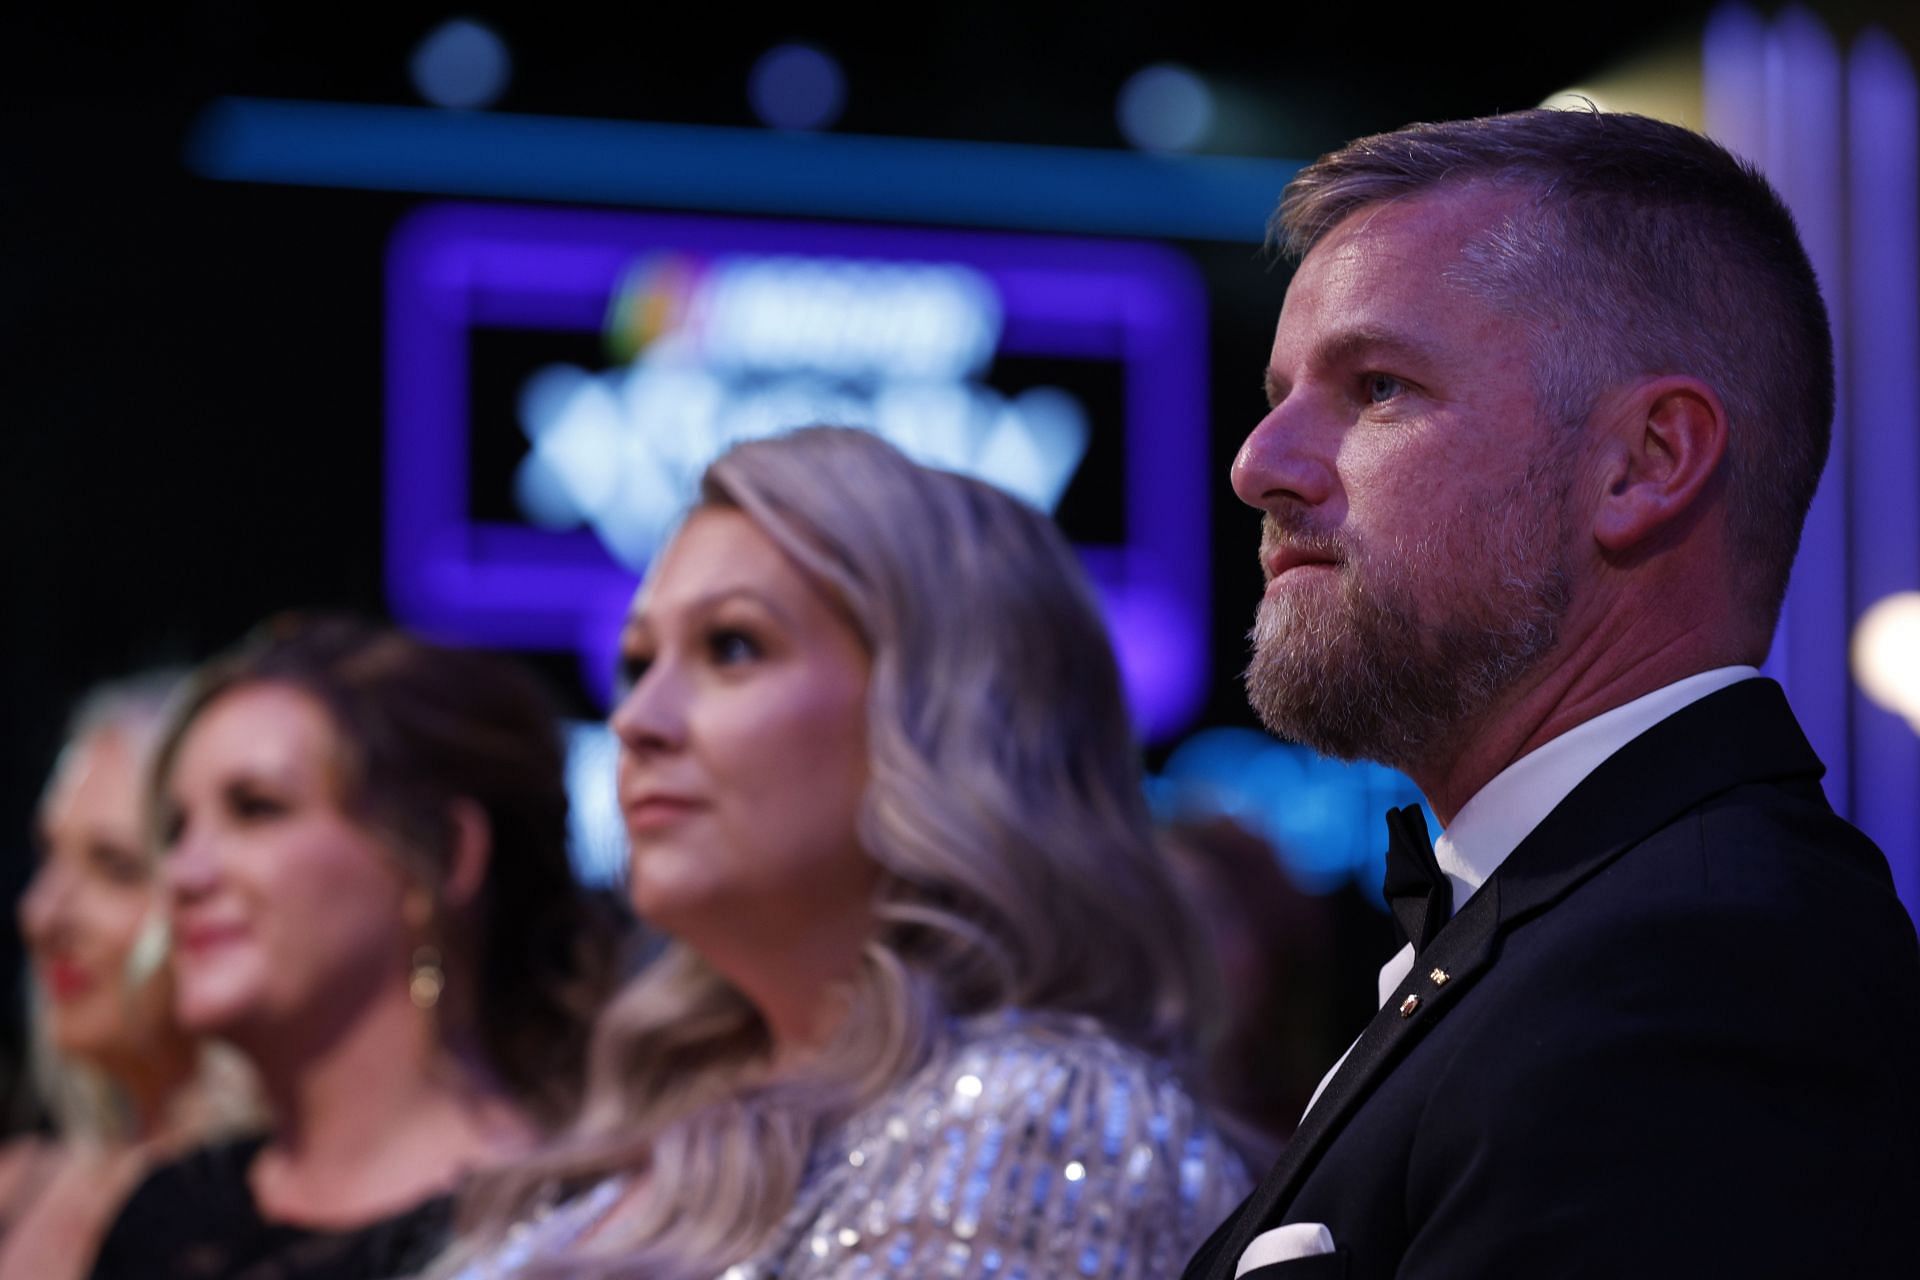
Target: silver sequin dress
x: 1036, y: 1148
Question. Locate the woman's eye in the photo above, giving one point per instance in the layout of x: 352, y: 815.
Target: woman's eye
x: 631, y: 671
x: 253, y: 804
x: 1381, y: 387
x: 122, y: 866
x: 728, y: 646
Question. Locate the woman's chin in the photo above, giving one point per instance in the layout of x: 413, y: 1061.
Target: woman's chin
x: 86, y: 1044
x: 215, y: 1014
x: 671, y: 903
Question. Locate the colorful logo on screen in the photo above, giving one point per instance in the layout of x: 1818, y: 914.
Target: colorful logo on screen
x: 721, y: 330
x: 740, y: 346
x: 650, y: 302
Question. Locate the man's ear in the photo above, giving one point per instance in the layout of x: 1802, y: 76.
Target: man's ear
x: 472, y: 853
x: 1667, y: 437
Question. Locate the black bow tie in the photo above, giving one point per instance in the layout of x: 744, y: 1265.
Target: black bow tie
x: 1416, y: 888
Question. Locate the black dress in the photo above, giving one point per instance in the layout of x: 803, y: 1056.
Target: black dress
x: 195, y: 1219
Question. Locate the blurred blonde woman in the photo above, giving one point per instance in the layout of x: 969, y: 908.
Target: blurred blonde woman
x: 126, y: 1085
x: 926, y: 1009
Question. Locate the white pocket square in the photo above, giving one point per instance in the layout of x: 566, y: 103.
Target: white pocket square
x: 1284, y: 1244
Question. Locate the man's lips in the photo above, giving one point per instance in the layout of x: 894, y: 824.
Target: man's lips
x: 1286, y: 558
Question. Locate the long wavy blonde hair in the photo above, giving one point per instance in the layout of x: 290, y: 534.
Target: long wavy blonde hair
x: 1004, y: 807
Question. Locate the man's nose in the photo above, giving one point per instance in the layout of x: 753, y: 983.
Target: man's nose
x: 1279, y: 462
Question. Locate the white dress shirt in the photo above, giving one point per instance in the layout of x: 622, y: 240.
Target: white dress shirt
x: 1492, y: 824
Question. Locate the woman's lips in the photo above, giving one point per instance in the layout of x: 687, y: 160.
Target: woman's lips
x: 652, y: 812
x: 200, y: 938
x: 66, y: 980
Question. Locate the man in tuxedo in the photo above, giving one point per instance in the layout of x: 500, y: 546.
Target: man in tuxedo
x: 1551, y: 393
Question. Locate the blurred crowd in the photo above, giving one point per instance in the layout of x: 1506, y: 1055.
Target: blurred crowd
x: 904, y: 967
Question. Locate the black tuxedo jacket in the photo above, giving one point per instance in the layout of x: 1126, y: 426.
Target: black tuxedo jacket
x: 1677, y: 1033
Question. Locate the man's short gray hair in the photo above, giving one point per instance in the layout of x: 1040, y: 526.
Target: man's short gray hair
x: 1637, y: 248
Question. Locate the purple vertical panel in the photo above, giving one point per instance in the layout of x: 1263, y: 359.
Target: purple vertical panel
x: 1733, y: 73
x: 1160, y: 529
x: 1806, y: 158
x: 1884, y: 382
x: 423, y: 331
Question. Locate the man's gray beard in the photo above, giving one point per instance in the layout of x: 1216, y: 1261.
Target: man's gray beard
x: 1368, y: 680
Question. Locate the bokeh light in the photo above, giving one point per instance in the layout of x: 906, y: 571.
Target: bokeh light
x: 796, y: 86
x: 461, y: 64
x: 1886, y: 655
x: 1165, y: 108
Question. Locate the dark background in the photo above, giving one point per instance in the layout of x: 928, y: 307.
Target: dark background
x: 191, y: 382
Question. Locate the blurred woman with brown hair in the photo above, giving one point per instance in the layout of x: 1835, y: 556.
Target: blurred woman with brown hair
x: 364, y: 845
x: 927, y: 1007
x: 1274, y: 947
x: 125, y: 1084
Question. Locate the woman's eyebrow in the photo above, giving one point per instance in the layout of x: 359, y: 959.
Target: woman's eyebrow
x: 707, y: 601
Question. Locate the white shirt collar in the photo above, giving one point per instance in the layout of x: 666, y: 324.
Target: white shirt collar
x: 1492, y: 824
x: 1498, y: 817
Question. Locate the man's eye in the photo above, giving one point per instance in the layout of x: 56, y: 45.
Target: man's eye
x: 1381, y: 387
x: 728, y: 646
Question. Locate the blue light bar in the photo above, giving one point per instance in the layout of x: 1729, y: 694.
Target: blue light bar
x: 328, y: 144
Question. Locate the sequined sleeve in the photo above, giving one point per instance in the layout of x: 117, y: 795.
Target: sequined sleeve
x: 1031, y: 1153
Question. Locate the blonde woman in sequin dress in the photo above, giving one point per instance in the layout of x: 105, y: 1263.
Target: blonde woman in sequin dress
x: 926, y: 1013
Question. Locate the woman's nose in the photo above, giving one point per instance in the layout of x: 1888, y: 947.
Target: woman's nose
x: 652, y: 716
x: 44, y: 905
x: 189, y: 865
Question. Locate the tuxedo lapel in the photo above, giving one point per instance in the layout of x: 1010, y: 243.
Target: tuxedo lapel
x: 1743, y: 733
x: 1443, y: 972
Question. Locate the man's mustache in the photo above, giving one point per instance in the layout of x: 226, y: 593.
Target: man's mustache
x: 1291, y: 529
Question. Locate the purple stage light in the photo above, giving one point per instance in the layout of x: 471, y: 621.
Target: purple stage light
x: 1842, y: 143
x: 1884, y: 461
x: 1805, y: 158
x: 455, y: 269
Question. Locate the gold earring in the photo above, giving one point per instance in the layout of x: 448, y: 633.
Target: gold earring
x: 427, y: 979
